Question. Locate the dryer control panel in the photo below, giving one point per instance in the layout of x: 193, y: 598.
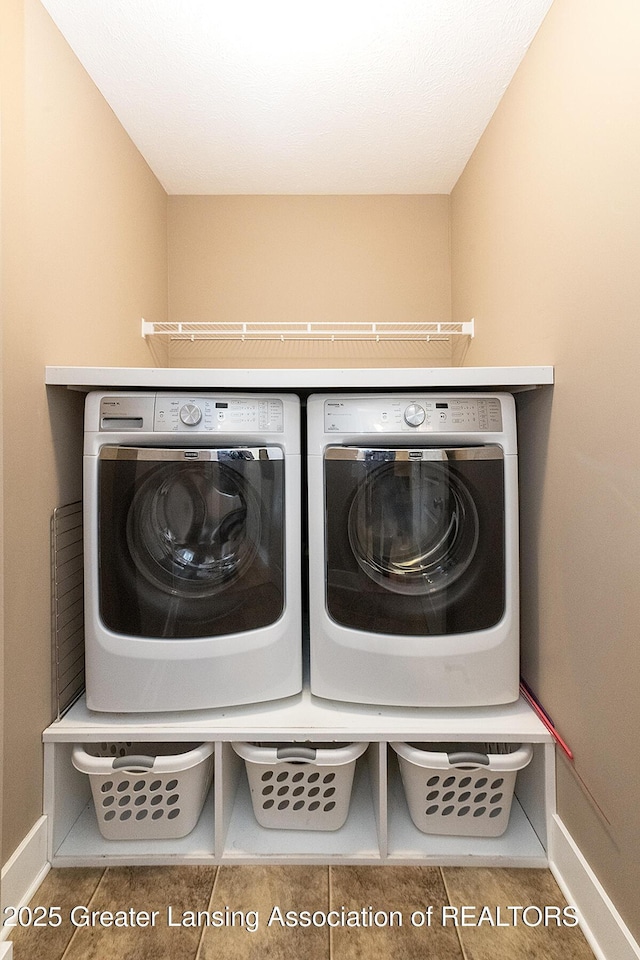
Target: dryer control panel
x: 186, y: 413
x: 373, y: 415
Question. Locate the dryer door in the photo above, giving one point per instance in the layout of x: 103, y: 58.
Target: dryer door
x: 415, y: 539
x: 190, y: 541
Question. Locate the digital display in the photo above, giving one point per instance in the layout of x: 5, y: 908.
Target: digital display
x: 442, y: 406
x: 221, y: 406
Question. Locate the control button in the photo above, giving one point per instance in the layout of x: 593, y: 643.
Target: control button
x: 414, y: 415
x: 190, y: 414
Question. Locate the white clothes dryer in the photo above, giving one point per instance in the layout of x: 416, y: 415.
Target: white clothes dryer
x: 413, y: 549
x: 192, y: 550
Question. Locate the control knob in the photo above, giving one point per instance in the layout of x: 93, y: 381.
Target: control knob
x: 190, y: 414
x: 414, y: 415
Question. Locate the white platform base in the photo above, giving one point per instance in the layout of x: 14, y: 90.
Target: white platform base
x: 606, y: 932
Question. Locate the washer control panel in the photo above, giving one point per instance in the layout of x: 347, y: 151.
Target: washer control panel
x: 409, y: 415
x: 217, y: 415
x: 183, y: 413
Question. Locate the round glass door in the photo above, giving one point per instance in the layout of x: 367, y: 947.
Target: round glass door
x: 193, y: 528
x: 413, y: 527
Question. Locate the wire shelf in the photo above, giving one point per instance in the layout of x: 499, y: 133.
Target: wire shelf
x: 170, y: 341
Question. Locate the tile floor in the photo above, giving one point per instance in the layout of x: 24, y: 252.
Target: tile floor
x: 253, y: 895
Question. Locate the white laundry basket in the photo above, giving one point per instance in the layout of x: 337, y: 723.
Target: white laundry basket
x: 146, y: 791
x: 461, y: 789
x: 300, y: 786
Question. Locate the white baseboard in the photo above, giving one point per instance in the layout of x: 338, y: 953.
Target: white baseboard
x: 24, y: 872
x: 6, y: 950
x: 605, y: 930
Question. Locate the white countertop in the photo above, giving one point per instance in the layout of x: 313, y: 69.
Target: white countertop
x: 503, y: 378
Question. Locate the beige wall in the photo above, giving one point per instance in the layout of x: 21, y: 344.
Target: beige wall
x: 545, y: 244
x: 83, y: 258
x: 6, y: 55
x: 310, y: 258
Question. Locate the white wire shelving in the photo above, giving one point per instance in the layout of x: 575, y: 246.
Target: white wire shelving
x: 172, y: 342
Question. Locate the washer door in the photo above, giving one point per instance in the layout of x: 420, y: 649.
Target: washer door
x: 415, y: 539
x: 413, y: 528
x: 193, y: 529
x: 190, y: 541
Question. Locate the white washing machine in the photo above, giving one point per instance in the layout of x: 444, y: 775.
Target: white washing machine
x: 192, y: 550
x: 413, y: 549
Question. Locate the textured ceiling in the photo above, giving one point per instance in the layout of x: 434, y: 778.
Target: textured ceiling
x: 258, y: 97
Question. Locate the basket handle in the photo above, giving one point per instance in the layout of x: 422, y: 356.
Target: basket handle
x: 134, y: 763
x: 87, y: 763
x: 506, y: 762
x: 462, y: 759
x: 323, y: 757
x: 296, y: 753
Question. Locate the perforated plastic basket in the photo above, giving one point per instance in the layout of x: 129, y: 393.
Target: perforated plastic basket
x: 300, y: 786
x: 146, y: 791
x: 461, y: 789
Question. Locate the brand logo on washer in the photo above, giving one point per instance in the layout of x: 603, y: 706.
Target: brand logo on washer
x: 191, y: 454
